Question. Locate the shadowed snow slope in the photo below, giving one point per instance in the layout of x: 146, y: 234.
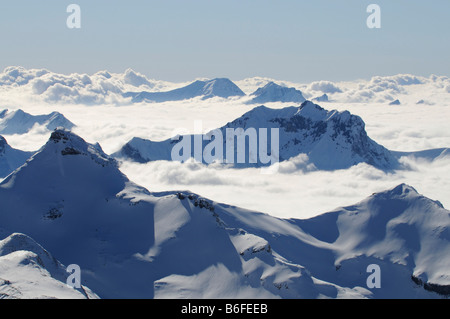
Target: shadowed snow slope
x: 71, y: 198
x: 28, y: 271
x: 207, y: 89
x: 74, y: 201
x: 10, y: 158
x: 20, y: 122
x: 331, y: 139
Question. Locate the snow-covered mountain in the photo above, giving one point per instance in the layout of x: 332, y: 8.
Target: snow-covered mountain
x: 273, y: 92
x: 28, y: 271
x: 404, y: 233
x: 11, y: 158
x: 72, y: 199
x: 219, y: 87
x: 331, y: 139
x: 105, y: 87
x: 20, y: 122
x: 131, y: 243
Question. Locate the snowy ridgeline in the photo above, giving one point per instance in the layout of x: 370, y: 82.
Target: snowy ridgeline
x: 330, y: 139
x: 72, y: 199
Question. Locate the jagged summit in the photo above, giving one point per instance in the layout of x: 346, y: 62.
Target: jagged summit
x: 72, y: 198
x: 331, y: 139
x: 69, y: 143
x: 400, y: 190
x: 273, y: 92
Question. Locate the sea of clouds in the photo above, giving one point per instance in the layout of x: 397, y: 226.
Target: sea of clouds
x: 95, y: 104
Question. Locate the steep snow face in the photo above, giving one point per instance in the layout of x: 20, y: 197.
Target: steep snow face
x: 331, y: 139
x: 28, y: 271
x: 404, y: 233
x: 10, y: 158
x: 401, y: 226
x: 20, y: 122
x: 401, y: 231
x: 71, y: 198
x: 206, y: 89
x: 273, y: 92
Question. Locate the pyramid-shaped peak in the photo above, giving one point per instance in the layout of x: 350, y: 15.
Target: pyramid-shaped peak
x: 273, y: 84
x: 69, y: 143
x: 221, y: 87
x: 273, y: 92
x: 313, y: 111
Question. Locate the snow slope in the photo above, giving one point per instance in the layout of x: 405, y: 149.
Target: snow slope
x: 28, y: 271
x: 72, y: 199
x: 404, y: 233
x: 220, y: 87
x: 20, y: 122
x: 273, y: 92
x: 331, y: 139
x: 10, y: 158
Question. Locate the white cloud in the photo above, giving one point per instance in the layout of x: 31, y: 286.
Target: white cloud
x: 325, y: 87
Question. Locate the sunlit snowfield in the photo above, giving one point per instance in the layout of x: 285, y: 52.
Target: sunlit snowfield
x: 289, y: 193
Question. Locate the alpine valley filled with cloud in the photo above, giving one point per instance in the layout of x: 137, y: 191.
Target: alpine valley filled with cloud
x: 87, y: 177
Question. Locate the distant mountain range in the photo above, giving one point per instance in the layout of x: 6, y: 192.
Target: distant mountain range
x: 331, y: 140
x: 110, y: 88
x: 72, y: 199
x: 206, y: 89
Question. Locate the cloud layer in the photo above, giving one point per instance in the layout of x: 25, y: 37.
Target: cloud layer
x: 298, y: 190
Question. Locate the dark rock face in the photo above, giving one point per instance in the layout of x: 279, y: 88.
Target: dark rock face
x: 3, y: 144
x: 70, y: 151
x: 59, y: 136
x: 439, y: 289
x: 330, y: 139
x: 130, y: 152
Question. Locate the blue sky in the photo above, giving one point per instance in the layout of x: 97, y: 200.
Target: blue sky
x: 180, y: 40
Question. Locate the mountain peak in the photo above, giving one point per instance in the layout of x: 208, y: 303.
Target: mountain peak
x: 18, y: 241
x: 20, y: 122
x: 221, y: 87
x: 403, y: 189
x: 67, y: 143
x: 273, y: 92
